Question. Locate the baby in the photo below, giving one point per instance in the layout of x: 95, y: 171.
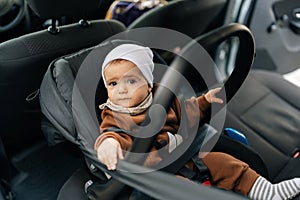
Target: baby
x: 127, y: 72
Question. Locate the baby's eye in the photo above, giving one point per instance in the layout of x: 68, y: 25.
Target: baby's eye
x: 113, y: 83
x: 132, y: 81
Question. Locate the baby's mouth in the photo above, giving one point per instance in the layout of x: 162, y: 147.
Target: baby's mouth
x: 124, y: 99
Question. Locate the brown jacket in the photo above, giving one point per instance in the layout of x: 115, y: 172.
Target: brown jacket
x: 193, y: 106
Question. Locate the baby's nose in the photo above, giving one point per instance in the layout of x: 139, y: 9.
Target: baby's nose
x: 123, y: 88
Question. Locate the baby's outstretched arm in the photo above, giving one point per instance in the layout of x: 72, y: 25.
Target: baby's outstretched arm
x: 108, y: 153
x: 210, y: 96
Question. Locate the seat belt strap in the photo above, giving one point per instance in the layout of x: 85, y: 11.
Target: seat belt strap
x: 187, y: 173
x: 203, y: 172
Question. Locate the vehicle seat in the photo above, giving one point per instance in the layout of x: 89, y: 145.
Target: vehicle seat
x: 24, y: 60
x: 189, y: 17
x: 267, y: 110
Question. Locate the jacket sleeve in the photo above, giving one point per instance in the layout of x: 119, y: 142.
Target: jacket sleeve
x: 123, y: 138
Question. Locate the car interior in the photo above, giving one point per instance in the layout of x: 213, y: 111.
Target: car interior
x: 48, y: 155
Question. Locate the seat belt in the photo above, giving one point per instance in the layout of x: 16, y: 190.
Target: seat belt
x: 190, y: 152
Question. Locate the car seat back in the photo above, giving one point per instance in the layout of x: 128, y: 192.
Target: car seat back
x: 190, y: 17
x: 24, y: 60
x: 267, y: 110
x: 128, y: 11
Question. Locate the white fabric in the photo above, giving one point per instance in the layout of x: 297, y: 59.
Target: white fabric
x: 141, y: 56
x: 174, y: 141
x: 262, y: 189
x: 133, y: 110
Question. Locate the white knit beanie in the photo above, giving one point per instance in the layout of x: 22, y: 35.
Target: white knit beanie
x: 141, y: 56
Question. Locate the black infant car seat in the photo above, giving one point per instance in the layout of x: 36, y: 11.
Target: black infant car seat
x: 71, y: 93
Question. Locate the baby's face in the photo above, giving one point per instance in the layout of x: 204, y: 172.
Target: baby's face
x: 126, y: 85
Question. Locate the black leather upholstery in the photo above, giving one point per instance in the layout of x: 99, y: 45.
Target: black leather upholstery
x: 24, y: 60
x: 267, y: 110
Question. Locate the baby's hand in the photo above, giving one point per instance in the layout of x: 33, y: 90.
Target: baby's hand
x: 108, y: 153
x: 210, y: 96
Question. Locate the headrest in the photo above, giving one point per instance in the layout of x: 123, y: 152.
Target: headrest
x: 57, y: 8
